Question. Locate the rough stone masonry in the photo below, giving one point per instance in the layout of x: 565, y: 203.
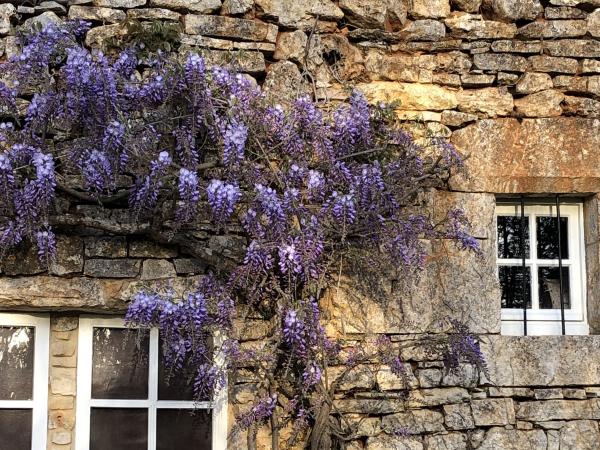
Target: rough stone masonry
x: 515, y: 84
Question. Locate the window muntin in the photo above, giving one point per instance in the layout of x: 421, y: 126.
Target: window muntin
x: 120, y: 389
x: 542, y: 291
x: 24, y: 352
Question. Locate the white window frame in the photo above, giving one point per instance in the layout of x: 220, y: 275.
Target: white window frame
x: 84, y: 390
x: 548, y: 321
x: 41, y: 355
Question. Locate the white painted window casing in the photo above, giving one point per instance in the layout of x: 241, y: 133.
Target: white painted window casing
x: 84, y: 390
x: 39, y: 403
x: 548, y: 321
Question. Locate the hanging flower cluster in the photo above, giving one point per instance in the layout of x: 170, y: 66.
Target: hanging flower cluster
x: 201, y: 143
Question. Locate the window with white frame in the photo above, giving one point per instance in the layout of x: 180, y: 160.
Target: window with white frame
x: 529, y: 269
x: 124, y: 401
x: 24, y: 342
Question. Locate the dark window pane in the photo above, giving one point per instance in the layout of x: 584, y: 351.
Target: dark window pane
x: 118, y: 429
x: 509, y: 237
x: 16, y: 363
x: 15, y: 429
x: 549, y: 287
x: 547, y: 237
x: 511, y: 284
x: 180, y: 429
x: 120, y: 364
x: 177, y: 384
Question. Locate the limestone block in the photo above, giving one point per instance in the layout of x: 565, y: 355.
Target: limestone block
x: 61, y: 437
x: 530, y: 162
x: 61, y: 402
x: 548, y: 394
x: 63, y: 381
x: 299, y: 14
x: 590, y: 65
x: 573, y: 393
x: 436, y: 397
x: 7, y: 11
x: 120, y: 3
x: 375, y: 13
x: 473, y: 26
x: 149, y: 249
x: 575, y: 48
x: 240, y: 61
x: 465, y: 375
x: 512, y: 10
x: 106, y: 247
x: 541, y: 104
x: 575, y: 2
x: 532, y: 82
x: 218, y: 26
x: 22, y: 261
x: 69, y: 255
x: 514, y: 46
x: 455, y: 61
x: 429, y: 9
x: 421, y: 97
x: 558, y: 410
x: 398, y: 67
x: 233, y: 7
x: 415, y: 422
x: 458, y: 416
x: 510, y: 392
x: 553, y: 29
x: 388, y: 381
x: 493, y: 411
x: 197, y: 6
x: 593, y: 23
x: 506, y: 439
x: 386, y: 442
x: 153, y: 14
x: 543, y: 63
x: 42, y: 20
x: 63, y: 347
x: 363, y: 426
x: 369, y: 406
x: 471, y: 6
x: 491, y: 102
x: 424, y: 30
x: 361, y: 377
x: 477, y: 80
x: 429, y: 378
x: 112, y: 268
x: 153, y: 269
x: 579, y: 435
x: 457, y: 118
x: 291, y: 45
x: 496, y: 62
x: 450, y: 441
x: 63, y: 324
x: 107, y: 15
x: 581, y: 106
x: 187, y: 266
x: 564, y: 12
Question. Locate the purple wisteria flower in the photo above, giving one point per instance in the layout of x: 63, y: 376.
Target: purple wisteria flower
x: 46, y: 244
x: 234, y: 142
x: 222, y: 198
x: 189, y: 194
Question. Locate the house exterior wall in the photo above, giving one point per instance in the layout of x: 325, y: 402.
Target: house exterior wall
x: 513, y: 84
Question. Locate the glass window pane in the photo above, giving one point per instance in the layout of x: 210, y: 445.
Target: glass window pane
x: 509, y: 237
x: 120, y: 363
x: 177, y: 384
x: 180, y: 429
x: 547, y: 237
x: 119, y: 429
x: 15, y: 429
x: 511, y: 285
x: 549, y: 287
x: 16, y: 363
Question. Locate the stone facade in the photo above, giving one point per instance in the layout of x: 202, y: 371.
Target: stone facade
x: 515, y: 85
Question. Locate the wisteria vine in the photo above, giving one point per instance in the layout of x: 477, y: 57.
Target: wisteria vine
x: 202, y: 144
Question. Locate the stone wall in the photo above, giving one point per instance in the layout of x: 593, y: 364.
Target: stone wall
x: 515, y: 84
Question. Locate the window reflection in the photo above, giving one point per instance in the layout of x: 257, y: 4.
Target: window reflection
x: 120, y: 363
x: 511, y: 285
x: 119, y: 429
x: 509, y: 237
x: 183, y: 429
x: 549, y: 287
x: 16, y: 363
x: 547, y: 237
